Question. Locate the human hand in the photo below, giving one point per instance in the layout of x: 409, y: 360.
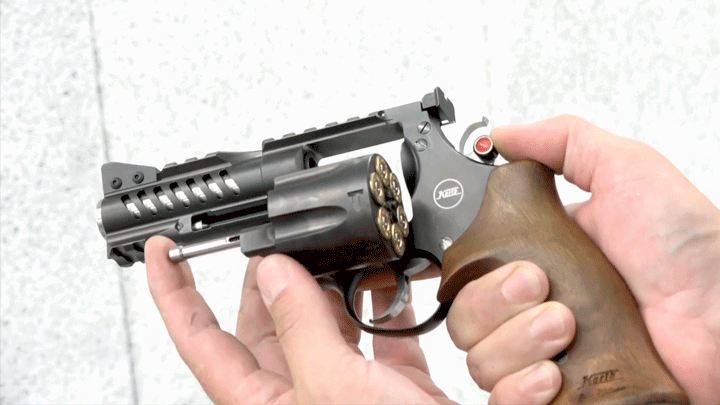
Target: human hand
x: 293, y: 344
x: 658, y: 230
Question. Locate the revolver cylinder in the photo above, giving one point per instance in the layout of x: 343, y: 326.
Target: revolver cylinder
x: 329, y: 218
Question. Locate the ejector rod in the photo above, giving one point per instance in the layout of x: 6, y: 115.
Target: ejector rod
x: 180, y: 252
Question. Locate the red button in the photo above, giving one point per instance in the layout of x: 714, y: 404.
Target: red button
x: 483, y: 145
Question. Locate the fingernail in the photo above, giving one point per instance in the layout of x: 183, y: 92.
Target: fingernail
x: 538, y: 380
x: 522, y: 286
x: 272, y: 278
x: 549, y: 325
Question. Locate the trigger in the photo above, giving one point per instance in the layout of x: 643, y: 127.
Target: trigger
x: 402, y: 295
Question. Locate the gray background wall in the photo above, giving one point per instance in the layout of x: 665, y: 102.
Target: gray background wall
x: 85, y: 82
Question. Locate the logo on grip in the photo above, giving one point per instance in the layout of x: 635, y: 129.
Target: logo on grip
x: 448, y: 194
x: 599, y: 378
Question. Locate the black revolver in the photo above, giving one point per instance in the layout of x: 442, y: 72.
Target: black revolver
x: 346, y: 222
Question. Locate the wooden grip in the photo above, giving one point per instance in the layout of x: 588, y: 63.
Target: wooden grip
x: 612, y: 359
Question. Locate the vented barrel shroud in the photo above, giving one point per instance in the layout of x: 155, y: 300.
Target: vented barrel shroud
x: 168, y: 202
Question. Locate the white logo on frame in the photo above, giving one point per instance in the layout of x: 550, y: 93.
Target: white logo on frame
x: 448, y: 194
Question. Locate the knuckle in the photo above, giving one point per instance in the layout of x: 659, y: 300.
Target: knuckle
x: 287, y: 315
x: 467, y: 319
x: 481, y: 371
x: 459, y: 335
x: 574, y: 120
x: 644, y: 149
x: 481, y: 306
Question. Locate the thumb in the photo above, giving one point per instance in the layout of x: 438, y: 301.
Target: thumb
x: 572, y: 146
x: 305, y: 325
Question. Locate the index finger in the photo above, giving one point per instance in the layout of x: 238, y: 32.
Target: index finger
x: 224, y: 367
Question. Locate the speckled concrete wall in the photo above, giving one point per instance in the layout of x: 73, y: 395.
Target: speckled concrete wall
x: 84, y: 82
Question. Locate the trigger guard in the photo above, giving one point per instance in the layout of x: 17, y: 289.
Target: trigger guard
x: 348, y: 288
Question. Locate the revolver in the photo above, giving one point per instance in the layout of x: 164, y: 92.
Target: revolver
x: 346, y: 222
